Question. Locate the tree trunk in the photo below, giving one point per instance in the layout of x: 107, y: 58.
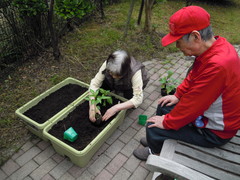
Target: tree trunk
x: 140, y: 12
x: 129, y: 18
x: 56, y: 51
x: 148, y: 14
x: 101, y: 9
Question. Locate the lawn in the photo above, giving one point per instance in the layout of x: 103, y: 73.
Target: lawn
x: 84, y: 49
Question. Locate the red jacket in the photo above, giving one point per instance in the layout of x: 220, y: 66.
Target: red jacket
x: 212, y: 89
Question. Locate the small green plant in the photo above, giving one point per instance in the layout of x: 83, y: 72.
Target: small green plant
x: 100, y: 96
x: 55, y: 79
x: 168, y: 83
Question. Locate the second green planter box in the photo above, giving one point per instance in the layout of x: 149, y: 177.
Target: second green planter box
x: 82, y: 157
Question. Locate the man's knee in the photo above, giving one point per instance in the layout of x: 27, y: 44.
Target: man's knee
x: 164, y: 110
x: 154, y: 132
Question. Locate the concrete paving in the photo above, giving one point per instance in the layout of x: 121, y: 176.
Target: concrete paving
x: 37, y: 159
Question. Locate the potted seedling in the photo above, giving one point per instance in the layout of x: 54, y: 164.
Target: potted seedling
x: 168, y: 84
x: 98, y: 97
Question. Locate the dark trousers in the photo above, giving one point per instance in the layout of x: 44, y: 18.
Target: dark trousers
x: 190, y: 134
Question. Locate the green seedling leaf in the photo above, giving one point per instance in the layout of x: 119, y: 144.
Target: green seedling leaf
x: 99, y: 97
x: 168, y: 82
x: 110, y: 101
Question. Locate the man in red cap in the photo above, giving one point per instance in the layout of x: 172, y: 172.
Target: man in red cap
x: 205, y: 110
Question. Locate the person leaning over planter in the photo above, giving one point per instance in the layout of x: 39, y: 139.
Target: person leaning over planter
x: 211, y: 90
x: 125, y: 76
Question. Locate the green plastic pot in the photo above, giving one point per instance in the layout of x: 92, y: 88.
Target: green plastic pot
x: 81, y: 158
x: 142, y: 119
x: 70, y: 134
x: 37, y: 128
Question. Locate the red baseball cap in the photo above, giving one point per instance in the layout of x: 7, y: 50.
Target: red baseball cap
x: 185, y: 21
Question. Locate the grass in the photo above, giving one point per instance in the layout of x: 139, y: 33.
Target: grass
x: 83, y: 51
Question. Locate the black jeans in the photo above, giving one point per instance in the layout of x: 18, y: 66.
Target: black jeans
x: 190, y: 134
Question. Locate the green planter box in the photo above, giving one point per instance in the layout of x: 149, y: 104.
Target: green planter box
x: 36, y: 127
x: 81, y: 158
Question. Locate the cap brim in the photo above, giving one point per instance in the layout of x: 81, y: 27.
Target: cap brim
x: 169, y: 39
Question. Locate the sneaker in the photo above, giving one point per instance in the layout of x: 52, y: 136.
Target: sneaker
x: 141, y: 153
x: 144, y: 142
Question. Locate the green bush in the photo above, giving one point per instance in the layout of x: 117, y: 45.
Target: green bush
x: 30, y: 7
x: 73, y: 8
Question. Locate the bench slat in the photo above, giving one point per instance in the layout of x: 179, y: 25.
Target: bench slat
x: 221, y: 152
x: 168, y: 148
x: 238, y: 133
x: 205, y: 168
x: 231, y: 147
x: 205, y: 158
x: 236, y: 140
x: 173, y: 169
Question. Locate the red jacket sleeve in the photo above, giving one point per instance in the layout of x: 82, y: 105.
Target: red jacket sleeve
x: 183, y: 87
x: 196, y: 94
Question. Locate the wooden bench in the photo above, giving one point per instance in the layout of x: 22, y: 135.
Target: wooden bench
x: 185, y: 161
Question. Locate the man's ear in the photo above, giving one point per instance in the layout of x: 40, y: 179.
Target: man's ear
x: 196, y: 35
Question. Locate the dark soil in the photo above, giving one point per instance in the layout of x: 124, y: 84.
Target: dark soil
x: 78, y: 119
x: 55, y: 102
x: 98, y: 119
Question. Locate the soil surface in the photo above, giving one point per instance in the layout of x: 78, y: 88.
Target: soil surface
x: 55, y: 102
x: 78, y: 119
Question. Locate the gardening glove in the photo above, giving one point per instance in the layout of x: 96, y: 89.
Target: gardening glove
x: 109, y: 113
x: 92, y: 112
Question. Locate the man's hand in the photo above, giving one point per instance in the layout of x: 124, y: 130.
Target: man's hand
x: 157, y: 122
x: 110, y: 112
x: 168, y: 100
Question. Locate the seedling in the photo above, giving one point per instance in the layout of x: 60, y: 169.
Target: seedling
x: 168, y: 83
x: 98, y: 97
